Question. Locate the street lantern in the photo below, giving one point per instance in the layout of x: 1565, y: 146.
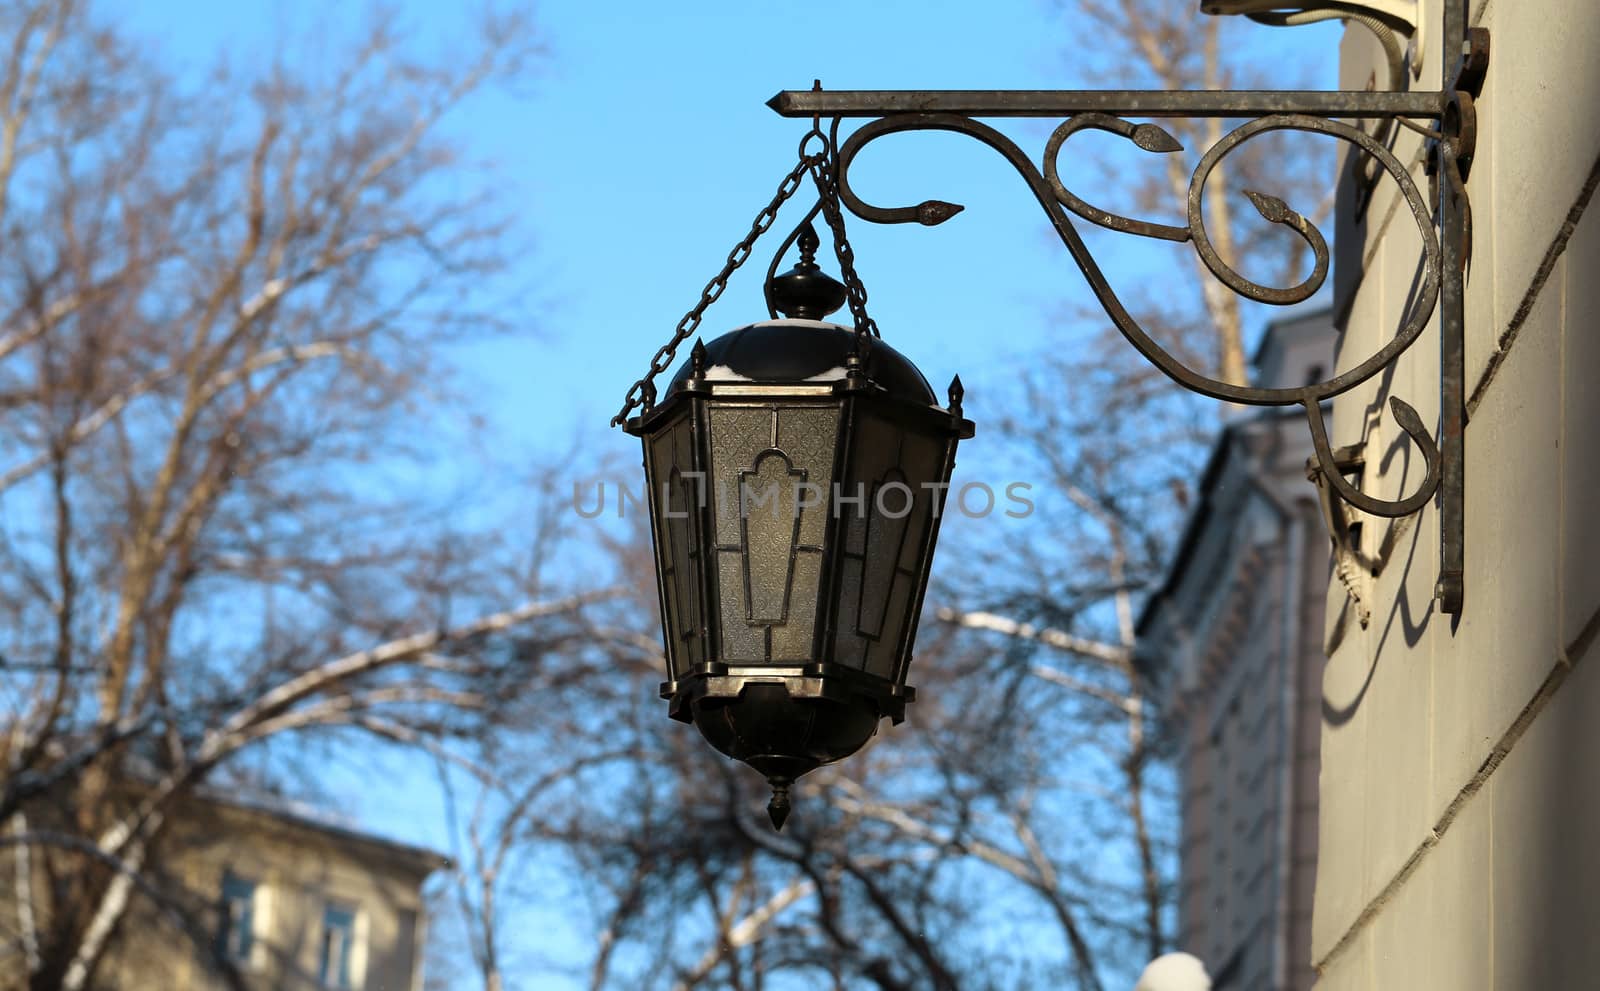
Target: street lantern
x: 797, y: 472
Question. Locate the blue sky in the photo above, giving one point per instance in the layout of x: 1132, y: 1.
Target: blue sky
x: 641, y: 149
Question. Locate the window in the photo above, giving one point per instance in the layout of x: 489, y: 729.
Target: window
x: 338, y: 945
x: 236, y: 931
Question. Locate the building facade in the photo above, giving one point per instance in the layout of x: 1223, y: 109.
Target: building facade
x: 287, y: 902
x: 1233, y: 639
x: 1459, y: 841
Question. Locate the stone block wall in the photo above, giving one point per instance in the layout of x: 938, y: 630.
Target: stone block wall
x: 1459, y: 840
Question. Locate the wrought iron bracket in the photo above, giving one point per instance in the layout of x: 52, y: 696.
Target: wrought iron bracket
x: 1446, y: 115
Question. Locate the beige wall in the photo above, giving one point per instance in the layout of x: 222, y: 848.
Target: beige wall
x: 1460, y: 792
x: 299, y: 869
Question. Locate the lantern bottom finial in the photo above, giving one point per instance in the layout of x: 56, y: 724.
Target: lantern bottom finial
x: 785, y: 721
x: 778, y: 807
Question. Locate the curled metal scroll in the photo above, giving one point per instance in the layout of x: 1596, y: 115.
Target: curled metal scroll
x: 1058, y: 202
x: 1146, y: 136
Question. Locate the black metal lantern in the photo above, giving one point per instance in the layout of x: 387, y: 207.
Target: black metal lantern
x: 797, y: 472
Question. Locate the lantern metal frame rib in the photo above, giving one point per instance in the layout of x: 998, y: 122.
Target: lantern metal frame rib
x: 1445, y: 115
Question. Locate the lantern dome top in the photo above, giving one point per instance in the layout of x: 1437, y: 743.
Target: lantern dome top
x: 792, y: 351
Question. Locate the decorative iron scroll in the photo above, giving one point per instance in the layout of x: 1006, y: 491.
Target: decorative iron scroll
x: 1445, y: 116
x: 1058, y: 202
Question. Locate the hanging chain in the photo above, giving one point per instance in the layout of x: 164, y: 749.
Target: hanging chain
x: 822, y: 166
x: 825, y: 174
x: 642, y: 394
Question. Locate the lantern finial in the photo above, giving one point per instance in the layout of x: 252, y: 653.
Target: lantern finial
x: 806, y: 292
x: 778, y: 807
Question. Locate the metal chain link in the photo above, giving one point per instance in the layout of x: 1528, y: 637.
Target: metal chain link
x: 824, y: 173
x: 642, y: 394
x: 822, y: 166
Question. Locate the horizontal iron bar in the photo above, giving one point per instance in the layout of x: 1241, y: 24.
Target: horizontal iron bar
x: 1123, y: 103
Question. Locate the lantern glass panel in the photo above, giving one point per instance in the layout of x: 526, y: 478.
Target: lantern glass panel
x: 771, y: 467
x: 675, y: 499
x: 893, y: 497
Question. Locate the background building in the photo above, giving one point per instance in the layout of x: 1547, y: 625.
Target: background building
x: 1233, y: 639
x: 1460, y: 800
x: 287, y: 901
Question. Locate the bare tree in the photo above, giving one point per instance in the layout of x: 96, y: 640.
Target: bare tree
x: 1020, y: 831
x: 1116, y: 446
x: 1147, y: 43
x: 221, y: 312
x: 897, y: 870
x: 1023, y: 833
